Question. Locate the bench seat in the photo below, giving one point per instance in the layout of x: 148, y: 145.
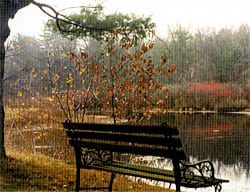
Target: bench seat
x: 157, y: 174
x: 100, y: 146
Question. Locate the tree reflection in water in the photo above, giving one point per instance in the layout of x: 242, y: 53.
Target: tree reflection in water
x: 221, y: 138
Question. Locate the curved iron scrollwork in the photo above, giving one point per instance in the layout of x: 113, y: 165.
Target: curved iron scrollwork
x: 218, y: 187
x: 91, y: 157
x: 205, y: 169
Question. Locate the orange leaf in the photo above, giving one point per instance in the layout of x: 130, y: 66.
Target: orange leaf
x: 144, y: 48
x: 138, y: 55
x: 72, y: 56
x: 172, y: 69
x: 110, y: 50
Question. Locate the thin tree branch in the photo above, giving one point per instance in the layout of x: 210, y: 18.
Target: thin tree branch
x: 64, y: 19
x: 16, y: 73
x: 79, y: 7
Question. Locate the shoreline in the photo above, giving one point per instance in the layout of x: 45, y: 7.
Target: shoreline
x: 164, y: 111
x: 214, y: 112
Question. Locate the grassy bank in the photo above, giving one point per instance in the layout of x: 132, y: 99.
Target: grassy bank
x: 28, y: 172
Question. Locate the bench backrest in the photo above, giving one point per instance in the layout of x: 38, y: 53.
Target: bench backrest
x: 162, y: 141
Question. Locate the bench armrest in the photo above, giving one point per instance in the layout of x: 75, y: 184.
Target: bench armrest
x: 203, y: 169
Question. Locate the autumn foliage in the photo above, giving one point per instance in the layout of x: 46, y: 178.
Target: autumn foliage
x: 212, y: 96
x: 211, y: 89
x: 124, y: 82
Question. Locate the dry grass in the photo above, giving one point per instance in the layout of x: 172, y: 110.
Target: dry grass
x: 247, y: 110
x: 27, y: 117
x: 27, y: 128
x: 26, y: 172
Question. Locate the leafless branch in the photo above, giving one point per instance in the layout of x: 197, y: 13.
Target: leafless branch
x: 79, y: 7
x: 61, y: 18
x: 16, y: 73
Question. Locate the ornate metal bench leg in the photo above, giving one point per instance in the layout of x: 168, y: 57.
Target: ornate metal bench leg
x: 217, y: 188
x: 177, y: 175
x: 78, y: 178
x: 111, y: 181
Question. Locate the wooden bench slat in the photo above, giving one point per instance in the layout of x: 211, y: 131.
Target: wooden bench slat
x: 155, y: 173
x: 155, y: 176
x: 141, y: 168
x: 122, y: 128
x: 141, y: 139
x: 165, y: 172
x: 136, y: 173
x: 163, y: 152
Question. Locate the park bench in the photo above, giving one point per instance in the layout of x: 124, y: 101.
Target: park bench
x: 96, y: 144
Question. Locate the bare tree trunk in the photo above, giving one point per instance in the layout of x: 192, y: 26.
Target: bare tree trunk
x: 2, y: 58
x: 4, y: 33
x: 8, y: 9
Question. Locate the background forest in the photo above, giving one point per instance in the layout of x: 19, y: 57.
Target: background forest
x: 199, y: 61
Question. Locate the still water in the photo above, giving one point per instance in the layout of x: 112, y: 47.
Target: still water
x: 223, y: 139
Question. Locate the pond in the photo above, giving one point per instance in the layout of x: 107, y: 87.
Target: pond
x: 222, y: 138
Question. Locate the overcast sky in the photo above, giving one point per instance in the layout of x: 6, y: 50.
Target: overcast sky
x: 165, y: 13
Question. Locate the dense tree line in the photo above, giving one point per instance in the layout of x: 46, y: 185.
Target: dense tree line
x: 207, y: 55
x: 222, y: 56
